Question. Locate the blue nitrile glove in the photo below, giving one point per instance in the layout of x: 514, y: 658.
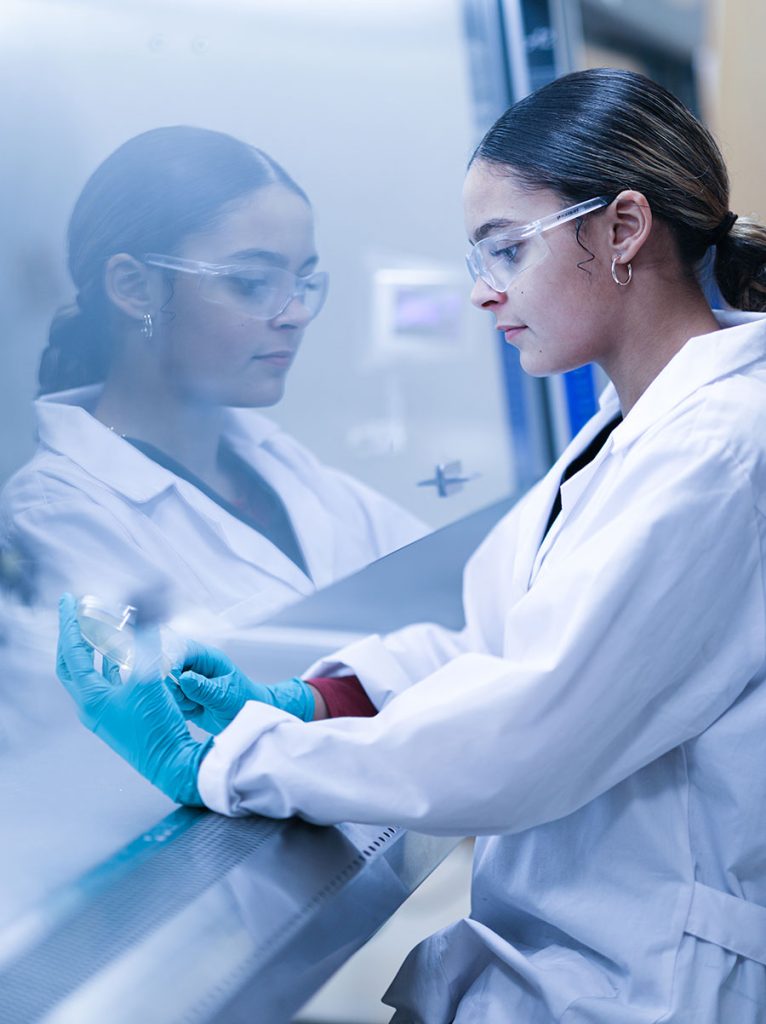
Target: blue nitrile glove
x: 211, y: 690
x: 138, y: 718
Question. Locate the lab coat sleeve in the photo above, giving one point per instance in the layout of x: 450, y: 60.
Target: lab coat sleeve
x: 629, y: 645
x: 388, y: 665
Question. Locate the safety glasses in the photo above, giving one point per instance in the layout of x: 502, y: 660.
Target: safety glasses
x: 259, y: 292
x: 499, y: 259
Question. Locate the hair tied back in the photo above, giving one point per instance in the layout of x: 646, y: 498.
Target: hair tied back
x: 723, y: 228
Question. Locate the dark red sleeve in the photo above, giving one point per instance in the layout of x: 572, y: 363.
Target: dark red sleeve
x: 345, y: 697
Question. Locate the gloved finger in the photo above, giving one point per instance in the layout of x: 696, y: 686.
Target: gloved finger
x: 201, y: 717
x: 87, y: 687
x: 74, y: 657
x: 205, y: 661
x: 186, y: 705
x: 209, y: 693
x: 61, y: 666
x: 110, y: 670
x: 150, y: 696
x: 62, y: 670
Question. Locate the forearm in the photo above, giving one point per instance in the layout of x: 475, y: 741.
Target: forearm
x: 320, y: 706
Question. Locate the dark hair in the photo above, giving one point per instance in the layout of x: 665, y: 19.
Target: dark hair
x: 152, y: 192
x: 600, y: 131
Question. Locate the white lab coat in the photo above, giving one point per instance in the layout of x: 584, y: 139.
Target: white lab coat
x: 600, y: 721
x: 96, y: 516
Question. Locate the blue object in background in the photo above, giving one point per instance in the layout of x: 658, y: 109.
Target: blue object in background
x: 580, y: 390
x: 543, y: 420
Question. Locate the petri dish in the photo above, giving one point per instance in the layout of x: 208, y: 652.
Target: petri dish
x: 112, y: 632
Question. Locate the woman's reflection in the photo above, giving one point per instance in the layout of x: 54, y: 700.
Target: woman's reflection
x: 195, y: 265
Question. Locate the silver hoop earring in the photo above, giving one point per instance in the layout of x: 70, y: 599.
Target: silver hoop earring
x: 615, y: 278
x: 147, y: 327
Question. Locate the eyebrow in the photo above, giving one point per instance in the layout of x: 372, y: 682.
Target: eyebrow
x: 490, y: 226
x: 276, y: 259
x: 264, y: 255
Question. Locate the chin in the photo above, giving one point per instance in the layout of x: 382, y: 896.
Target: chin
x: 539, y: 364
x: 261, y: 399
x: 535, y: 365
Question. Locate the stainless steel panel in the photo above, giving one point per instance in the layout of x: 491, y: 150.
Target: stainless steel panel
x: 207, y: 918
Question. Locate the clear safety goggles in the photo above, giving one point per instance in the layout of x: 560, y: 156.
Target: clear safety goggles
x: 499, y: 259
x: 260, y: 292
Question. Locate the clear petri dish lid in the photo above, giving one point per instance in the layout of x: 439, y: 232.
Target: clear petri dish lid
x: 112, y: 632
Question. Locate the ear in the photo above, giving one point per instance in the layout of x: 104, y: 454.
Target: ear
x: 630, y: 224
x: 127, y: 285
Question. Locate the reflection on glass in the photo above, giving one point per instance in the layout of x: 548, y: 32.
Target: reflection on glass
x: 196, y: 271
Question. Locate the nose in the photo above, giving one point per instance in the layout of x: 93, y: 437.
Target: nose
x: 295, y: 314
x: 483, y: 296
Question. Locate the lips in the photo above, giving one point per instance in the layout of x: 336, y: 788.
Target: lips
x: 280, y: 357
x: 511, y: 331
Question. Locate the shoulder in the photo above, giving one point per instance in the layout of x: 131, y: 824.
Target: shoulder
x: 47, y: 476
x: 49, y: 485
x: 724, y: 424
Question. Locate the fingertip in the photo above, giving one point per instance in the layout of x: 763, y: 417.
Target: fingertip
x: 191, y: 683
x: 186, y: 679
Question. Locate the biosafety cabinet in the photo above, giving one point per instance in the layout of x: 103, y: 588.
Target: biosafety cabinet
x: 114, y: 903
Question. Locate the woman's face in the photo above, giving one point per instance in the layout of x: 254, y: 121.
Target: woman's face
x: 214, y: 351
x: 557, y: 311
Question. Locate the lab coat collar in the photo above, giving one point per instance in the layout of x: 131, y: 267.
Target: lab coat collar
x: 740, y: 342
x: 65, y: 425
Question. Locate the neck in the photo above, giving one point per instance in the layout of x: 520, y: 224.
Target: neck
x: 137, y: 402
x: 655, y: 328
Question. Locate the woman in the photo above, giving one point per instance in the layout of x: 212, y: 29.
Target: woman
x: 195, y: 265
x: 599, y: 720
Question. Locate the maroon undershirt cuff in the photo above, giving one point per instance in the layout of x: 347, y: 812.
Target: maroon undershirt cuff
x: 345, y: 697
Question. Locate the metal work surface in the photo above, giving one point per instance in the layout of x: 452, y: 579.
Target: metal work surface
x: 203, y: 917
x: 206, y: 918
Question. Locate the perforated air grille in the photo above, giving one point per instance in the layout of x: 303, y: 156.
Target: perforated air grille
x: 121, y: 914
x: 146, y: 885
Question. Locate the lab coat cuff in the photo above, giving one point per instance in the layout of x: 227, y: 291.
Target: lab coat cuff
x: 371, y: 662
x: 213, y: 782
x: 220, y: 766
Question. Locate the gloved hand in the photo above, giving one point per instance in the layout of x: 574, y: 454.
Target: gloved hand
x: 138, y: 718
x: 211, y: 690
